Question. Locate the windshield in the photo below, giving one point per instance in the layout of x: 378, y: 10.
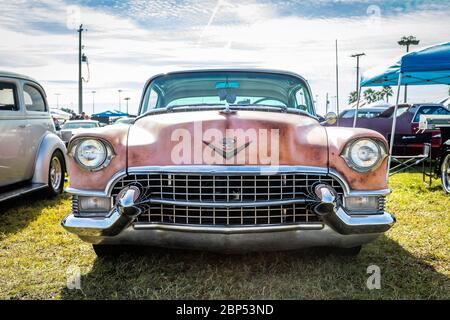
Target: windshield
x: 77, y: 125
x: 235, y: 88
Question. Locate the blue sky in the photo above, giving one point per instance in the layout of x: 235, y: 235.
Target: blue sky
x: 129, y: 41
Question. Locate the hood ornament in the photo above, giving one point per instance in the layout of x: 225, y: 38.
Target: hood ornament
x: 228, y: 148
x: 227, y: 109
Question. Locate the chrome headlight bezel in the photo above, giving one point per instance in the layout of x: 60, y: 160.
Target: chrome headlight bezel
x: 109, y: 153
x: 346, y: 154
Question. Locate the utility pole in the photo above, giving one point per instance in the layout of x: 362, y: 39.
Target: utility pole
x: 57, y: 100
x: 408, y: 41
x: 357, y: 56
x: 80, y: 80
x: 127, y: 99
x: 93, y: 101
x: 120, y: 102
x: 337, y: 83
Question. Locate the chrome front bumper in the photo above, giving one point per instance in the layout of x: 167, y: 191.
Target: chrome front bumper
x: 337, y: 229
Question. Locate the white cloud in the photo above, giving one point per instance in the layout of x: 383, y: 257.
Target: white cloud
x: 124, y: 49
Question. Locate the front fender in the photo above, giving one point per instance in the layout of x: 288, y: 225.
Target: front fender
x: 49, y: 144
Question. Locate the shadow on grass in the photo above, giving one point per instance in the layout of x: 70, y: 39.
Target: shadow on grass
x: 145, y: 273
x: 17, y: 213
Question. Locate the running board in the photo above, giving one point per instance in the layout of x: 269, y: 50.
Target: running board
x: 21, y: 191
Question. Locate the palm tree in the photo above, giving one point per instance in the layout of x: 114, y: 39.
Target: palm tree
x: 353, y: 97
x: 369, y: 95
x: 378, y: 95
x: 387, y: 92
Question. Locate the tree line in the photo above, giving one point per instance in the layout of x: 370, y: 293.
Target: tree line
x: 371, y: 95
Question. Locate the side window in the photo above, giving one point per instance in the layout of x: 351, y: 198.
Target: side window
x: 301, y: 99
x: 442, y: 111
x: 34, y: 101
x: 8, y: 94
x: 430, y: 110
x: 349, y: 114
x: 150, y: 100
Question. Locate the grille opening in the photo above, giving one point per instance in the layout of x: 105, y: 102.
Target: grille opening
x: 220, y: 189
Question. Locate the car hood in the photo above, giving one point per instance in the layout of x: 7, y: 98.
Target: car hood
x: 251, y: 138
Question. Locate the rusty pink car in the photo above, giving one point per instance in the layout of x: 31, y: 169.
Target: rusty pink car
x: 228, y: 160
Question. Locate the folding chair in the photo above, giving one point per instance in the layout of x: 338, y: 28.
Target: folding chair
x: 402, y: 163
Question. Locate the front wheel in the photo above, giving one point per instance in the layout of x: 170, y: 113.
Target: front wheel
x: 445, y: 173
x: 56, y: 174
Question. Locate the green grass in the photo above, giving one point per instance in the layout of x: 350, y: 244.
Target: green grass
x: 35, y: 254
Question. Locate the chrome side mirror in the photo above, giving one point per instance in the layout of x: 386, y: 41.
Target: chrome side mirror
x: 330, y: 119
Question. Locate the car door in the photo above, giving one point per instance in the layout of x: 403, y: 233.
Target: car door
x: 429, y: 110
x: 38, y: 119
x: 13, y: 140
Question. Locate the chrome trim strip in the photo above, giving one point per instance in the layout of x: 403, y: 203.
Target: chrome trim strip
x: 228, y: 230
x: 213, y: 169
x: 358, y: 193
x: 228, y: 204
x: 87, y: 193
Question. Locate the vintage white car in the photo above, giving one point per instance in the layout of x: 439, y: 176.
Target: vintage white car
x: 228, y: 160
x: 32, y: 156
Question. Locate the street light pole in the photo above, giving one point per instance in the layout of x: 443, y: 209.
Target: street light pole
x: 127, y: 99
x: 80, y: 81
x: 57, y: 100
x: 93, y: 101
x: 357, y: 56
x: 337, y: 83
x: 120, y: 102
x: 408, y: 41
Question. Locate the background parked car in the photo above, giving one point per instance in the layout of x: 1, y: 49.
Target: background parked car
x: 409, y: 139
x: 362, y: 113
x: 126, y: 120
x: 69, y: 128
x: 60, y: 115
x: 32, y: 156
x: 446, y: 102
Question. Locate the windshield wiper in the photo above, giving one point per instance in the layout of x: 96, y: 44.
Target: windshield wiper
x: 178, y: 106
x: 194, y: 105
x: 284, y: 108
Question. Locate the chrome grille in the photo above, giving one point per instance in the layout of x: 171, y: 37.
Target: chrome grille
x: 227, y: 216
x: 225, y: 199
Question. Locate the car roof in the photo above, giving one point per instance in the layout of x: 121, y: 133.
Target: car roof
x: 7, y: 74
x: 255, y: 70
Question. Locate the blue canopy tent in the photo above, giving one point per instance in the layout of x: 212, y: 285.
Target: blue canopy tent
x: 427, y: 66
x: 114, y: 113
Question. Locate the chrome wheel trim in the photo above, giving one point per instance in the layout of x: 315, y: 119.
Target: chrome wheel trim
x: 445, y: 173
x: 55, y: 173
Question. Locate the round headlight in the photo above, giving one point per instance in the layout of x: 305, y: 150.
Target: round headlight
x: 364, y: 154
x: 91, y: 153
